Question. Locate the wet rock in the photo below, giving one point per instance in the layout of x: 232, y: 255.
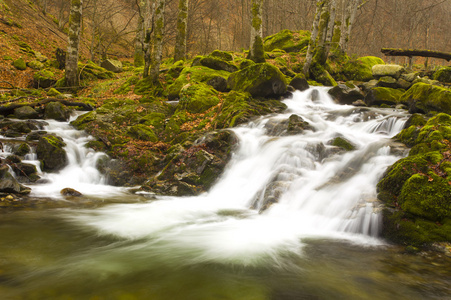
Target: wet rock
x: 291, y: 126
x: 70, y: 192
x: 22, y: 150
x: 56, y: 111
x: 299, y: 82
x: 26, y: 112
x: 8, y: 184
x: 388, y: 82
x: 342, y: 143
x: 25, y: 172
x: 443, y: 74
x: 383, y: 95
x: 424, y: 98
x: 314, y: 95
x: 270, y: 195
x: 359, y: 103
x: 51, y: 153
x: 346, y: 93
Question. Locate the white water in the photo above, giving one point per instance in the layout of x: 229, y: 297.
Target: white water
x: 322, y: 194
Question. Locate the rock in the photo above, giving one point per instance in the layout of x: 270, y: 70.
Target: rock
x: 403, y: 84
x: 53, y: 93
x: 44, y: 79
x: 26, y: 112
x: 410, y: 77
x: 260, y: 80
x: 35, y: 65
x: 198, y: 98
x: 8, y: 184
x: 70, y: 192
x: 383, y: 95
x: 22, y: 150
x: 19, y: 64
x: 359, y: 103
x: 112, y: 65
x: 51, y: 153
x: 226, y: 56
x: 394, y: 71
x: 218, y: 83
x: 218, y: 64
x: 91, y: 71
x: 367, y: 86
x: 424, y: 98
x: 346, y: 93
x: 360, y: 69
x: 443, y: 75
x: 388, y: 82
x: 299, y: 82
x: 142, y: 132
x: 287, y: 40
x: 56, y: 111
x: 342, y: 143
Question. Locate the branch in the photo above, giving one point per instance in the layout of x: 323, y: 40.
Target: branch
x: 416, y: 52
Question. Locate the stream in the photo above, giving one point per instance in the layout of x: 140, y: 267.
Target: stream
x: 292, y: 217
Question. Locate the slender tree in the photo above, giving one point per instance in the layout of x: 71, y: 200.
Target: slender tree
x: 73, y: 43
x: 313, y: 36
x: 256, y: 52
x: 347, y: 23
x: 180, y: 39
x: 157, y: 40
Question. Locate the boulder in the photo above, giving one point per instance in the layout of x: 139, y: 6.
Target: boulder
x: 8, y: 184
x: 70, y: 192
x: 443, y: 75
x: 19, y: 64
x: 26, y: 112
x: 56, y: 111
x: 260, y: 80
x: 198, y: 98
x: 142, y: 132
x: 299, y: 82
x: 22, y: 150
x: 388, y: 82
x: 287, y: 40
x: 112, y: 65
x: 35, y: 65
x: 216, y: 63
x: 226, y: 56
x: 51, y: 153
x: 383, y: 95
x: 360, y: 69
x: 44, y: 79
x: 218, y: 83
x: 346, y: 93
x: 394, y: 71
x: 424, y: 98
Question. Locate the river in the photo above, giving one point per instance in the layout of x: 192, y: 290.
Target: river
x: 292, y: 217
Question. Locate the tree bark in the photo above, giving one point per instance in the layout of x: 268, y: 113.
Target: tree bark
x: 74, y: 41
x: 313, y: 36
x: 346, y: 24
x: 157, y: 40
x: 182, y: 25
x: 416, y: 52
x: 256, y: 52
x: 148, y: 15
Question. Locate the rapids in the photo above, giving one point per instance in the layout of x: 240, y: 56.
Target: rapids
x: 292, y: 217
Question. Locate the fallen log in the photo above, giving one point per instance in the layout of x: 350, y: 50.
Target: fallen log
x: 9, y: 109
x: 416, y: 52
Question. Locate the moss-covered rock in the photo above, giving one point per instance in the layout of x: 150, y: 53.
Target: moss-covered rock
x: 198, y: 98
x: 425, y: 98
x: 112, y: 65
x: 91, y: 71
x: 443, y: 75
x: 388, y: 82
x: 142, y: 132
x: 19, y: 64
x: 196, y: 74
x: 44, y: 79
x: 56, y: 111
x: 360, y: 69
x: 35, y: 65
x: 299, y: 82
x: 53, y: 93
x: 22, y: 150
x: 8, y: 184
x: 394, y: 71
x: 26, y: 112
x: 342, y: 143
x: 51, y: 153
x: 260, y: 80
x: 346, y: 93
x: 384, y: 95
x: 216, y: 63
x: 226, y: 56
x: 287, y: 40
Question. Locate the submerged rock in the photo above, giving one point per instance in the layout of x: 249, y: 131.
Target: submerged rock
x: 70, y: 192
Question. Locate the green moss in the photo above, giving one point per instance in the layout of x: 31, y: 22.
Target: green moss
x: 443, y: 75
x: 19, y: 64
x: 126, y: 86
x: 289, y: 41
x: 342, y: 143
x: 385, y: 95
x: 425, y: 98
x: 142, y: 132
x: 53, y: 93
x: 198, y: 98
x: 36, y: 65
x: 226, y: 56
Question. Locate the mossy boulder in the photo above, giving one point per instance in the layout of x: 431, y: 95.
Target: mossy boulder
x: 218, y: 83
x: 9, y: 184
x: 91, y: 71
x: 19, y: 64
x: 425, y: 98
x: 196, y: 74
x: 53, y: 93
x: 299, y: 82
x: 387, y: 81
x: 383, y: 95
x: 342, y: 143
x: 51, y: 153
x: 394, y: 71
x: 56, y: 111
x: 443, y: 75
x: 26, y: 112
x: 35, y: 65
x: 197, y: 98
x: 226, y: 56
x: 260, y: 80
x: 346, y: 93
x: 112, y: 65
x: 22, y: 150
x: 216, y: 63
x: 360, y: 69
x: 44, y: 79
x: 142, y: 132
x: 287, y: 40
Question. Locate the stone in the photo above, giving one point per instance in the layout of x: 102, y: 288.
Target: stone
x: 443, y: 75
x: 112, y: 65
x: 424, y: 98
x: 22, y: 150
x: 218, y: 64
x: 383, y: 95
x: 8, y: 184
x: 51, y: 153
x: 387, y: 81
x: 44, y: 79
x: 287, y: 40
x: 260, y: 80
x: 35, y: 65
x: 394, y: 71
x: 218, y: 83
x: 70, y: 192
x: 56, y: 111
x: 19, y: 64
x: 346, y: 93
x: 26, y: 112
x: 299, y: 82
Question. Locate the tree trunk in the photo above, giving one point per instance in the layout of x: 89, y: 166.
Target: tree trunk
x: 331, y: 26
x: 180, y: 40
x: 148, y: 15
x: 74, y: 41
x: 157, y: 40
x: 138, y: 57
x: 313, y: 36
x: 256, y: 52
x: 346, y: 24
x: 416, y: 52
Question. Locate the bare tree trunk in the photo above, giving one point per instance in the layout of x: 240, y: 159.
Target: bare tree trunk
x: 73, y: 43
x: 138, y: 58
x: 94, y: 31
x: 157, y: 40
x: 256, y: 52
x: 331, y: 26
x: 346, y: 24
x: 148, y: 29
x: 313, y: 36
x: 180, y: 39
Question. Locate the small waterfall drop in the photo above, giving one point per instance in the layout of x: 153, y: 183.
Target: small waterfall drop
x: 277, y: 189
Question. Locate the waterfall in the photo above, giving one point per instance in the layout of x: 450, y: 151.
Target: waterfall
x: 277, y: 190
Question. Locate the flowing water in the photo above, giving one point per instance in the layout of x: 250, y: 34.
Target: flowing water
x: 292, y: 217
